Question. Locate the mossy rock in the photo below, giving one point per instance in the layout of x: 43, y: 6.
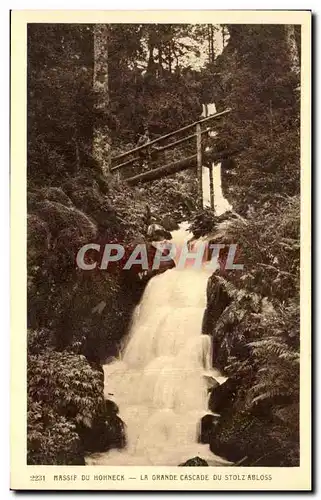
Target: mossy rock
x: 59, y: 217
x: 56, y: 194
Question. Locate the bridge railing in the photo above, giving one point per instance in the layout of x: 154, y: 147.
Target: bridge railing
x: 146, y: 164
x: 155, y: 146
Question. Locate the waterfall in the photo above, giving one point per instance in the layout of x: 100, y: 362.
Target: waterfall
x: 160, y: 381
x: 221, y: 204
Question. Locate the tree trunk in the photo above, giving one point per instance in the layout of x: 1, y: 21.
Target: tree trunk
x: 210, y: 34
x: 160, y: 60
x: 199, y: 164
x: 292, y: 48
x: 101, y: 136
x: 224, y: 36
x: 212, y: 44
x: 170, y: 57
x: 151, y: 69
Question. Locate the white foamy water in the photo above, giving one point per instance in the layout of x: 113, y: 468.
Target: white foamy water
x: 159, y: 382
x: 221, y: 204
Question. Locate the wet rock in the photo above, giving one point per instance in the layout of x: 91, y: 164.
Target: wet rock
x: 194, y: 462
x: 138, y: 276
x: 110, y: 407
x: 217, y: 300
x: 211, y: 381
x: 156, y: 232
x: 164, y: 264
x: 115, y: 435
x: 208, y: 425
x: 222, y: 396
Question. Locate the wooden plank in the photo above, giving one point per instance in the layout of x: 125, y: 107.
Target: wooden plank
x: 180, y: 141
x: 170, y: 134
x: 177, y: 166
x: 128, y: 162
x: 165, y: 171
x: 199, y: 164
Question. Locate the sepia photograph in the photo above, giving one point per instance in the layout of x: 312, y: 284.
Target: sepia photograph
x: 163, y: 250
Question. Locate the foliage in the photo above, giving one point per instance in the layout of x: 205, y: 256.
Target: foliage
x: 203, y: 222
x: 52, y: 439
x: 60, y: 296
x: 269, y: 247
x: 175, y: 197
x: 149, y: 84
x: 256, y: 337
x: 63, y: 392
x: 257, y: 82
x: 66, y: 383
x: 60, y: 101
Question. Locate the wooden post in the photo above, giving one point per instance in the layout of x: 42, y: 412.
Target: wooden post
x: 199, y: 163
x: 210, y: 170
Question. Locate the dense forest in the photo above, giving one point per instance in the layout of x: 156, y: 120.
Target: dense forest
x: 93, y: 90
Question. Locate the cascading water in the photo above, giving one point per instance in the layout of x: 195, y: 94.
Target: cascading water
x: 160, y: 382
x: 221, y: 204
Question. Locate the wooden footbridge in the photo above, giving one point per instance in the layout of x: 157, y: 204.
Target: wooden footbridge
x: 148, y: 162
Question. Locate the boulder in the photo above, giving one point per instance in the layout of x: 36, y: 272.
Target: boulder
x: 138, y: 272
x: 211, y: 381
x: 56, y: 194
x: 110, y: 407
x: 163, y: 265
x: 106, y: 432
x: 156, y: 232
x: 60, y: 217
x: 248, y: 440
x: 194, y: 462
x: 208, y: 425
x: 232, y: 451
x: 217, y: 300
x: 222, y: 396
